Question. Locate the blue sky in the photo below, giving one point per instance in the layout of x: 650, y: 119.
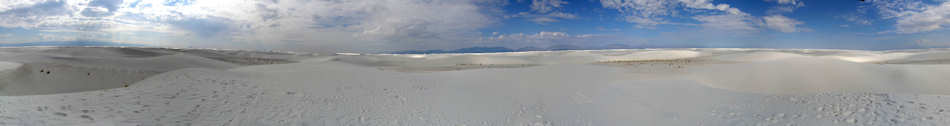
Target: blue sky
x: 389, y: 25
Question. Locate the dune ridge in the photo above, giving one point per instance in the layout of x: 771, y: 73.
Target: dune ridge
x: 52, y: 70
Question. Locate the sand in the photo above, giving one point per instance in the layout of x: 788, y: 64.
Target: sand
x: 4, y: 66
x: 6, y: 70
x: 602, y: 87
x: 51, y: 70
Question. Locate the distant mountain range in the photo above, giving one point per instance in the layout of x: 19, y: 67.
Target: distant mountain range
x: 69, y: 43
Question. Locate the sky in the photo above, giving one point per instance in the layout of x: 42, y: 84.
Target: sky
x: 392, y: 25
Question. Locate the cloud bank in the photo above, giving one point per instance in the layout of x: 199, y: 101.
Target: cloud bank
x: 251, y: 22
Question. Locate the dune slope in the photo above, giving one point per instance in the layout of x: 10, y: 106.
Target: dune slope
x: 50, y: 70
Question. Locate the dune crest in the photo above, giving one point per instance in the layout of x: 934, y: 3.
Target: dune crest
x: 53, y: 70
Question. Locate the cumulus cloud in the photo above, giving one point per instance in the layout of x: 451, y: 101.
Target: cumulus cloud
x: 647, y: 13
x: 545, y: 6
x: 784, y: 6
x: 898, y: 8
x: 100, y: 8
x: 782, y: 23
x: 928, y: 19
x: 427, y: 20
x: 255, y: 22
x: 788, y: 2
x: 536, y: 36
x: 856, y: 19
x: 911, y: 16
x: 545, y: 11
x: 30, y: 14
x: 726, y: 22
x: 544, y: 18
x: 642, y: 12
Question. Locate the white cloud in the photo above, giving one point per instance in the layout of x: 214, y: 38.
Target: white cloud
x: 781, y: 9
x: 910, y: 16
x: 545, y: 6
x: 727, y: 22
x: 856, y: 19
x: 647, y: 13
x: 12, y: 4
x: 543, y: 20
x: 562, y: 15
x: 782, y: 23
x: 545, y: 11
x: 31, y: 15
x: 536, y: 36
x: 412, y: 19
x: 788, y: 2
x: 544, y: 34
x: 101, y: 8
x: 785, y: 6
x: 255, y: 22
x: 898, y: 8
x: 928, y: 19
x: 642, y: 12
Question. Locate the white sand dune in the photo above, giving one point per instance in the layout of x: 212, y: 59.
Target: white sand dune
x: 935, y: 57
x: 649, y: 87
x: 648, y: 55
x: 758, y: 56
x: 872, y: 57
x: 4, y: 66
x: 435, y: 63
x: 28, y: 79
x: 846, y: 71
x: 6, y: 70
x: 449, y: 62
x: 814, y: 75
x: 50, y: 70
